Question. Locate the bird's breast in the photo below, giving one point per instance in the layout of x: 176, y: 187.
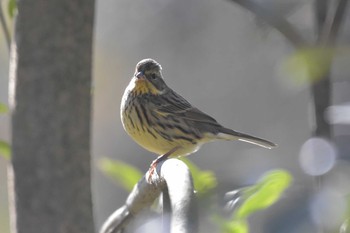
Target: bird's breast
x: 141, y: 87
x: 146, y: 129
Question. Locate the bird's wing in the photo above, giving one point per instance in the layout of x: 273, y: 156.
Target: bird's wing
x: 175, y: 105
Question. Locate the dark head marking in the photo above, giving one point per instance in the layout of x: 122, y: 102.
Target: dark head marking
x: 151, y: 70
x: 148, y: 64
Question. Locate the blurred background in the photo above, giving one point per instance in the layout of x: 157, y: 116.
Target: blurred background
x: 230, y: 65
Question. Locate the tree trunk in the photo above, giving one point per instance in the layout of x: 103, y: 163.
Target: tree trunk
x: 321, y: 90
x: 50, y: 96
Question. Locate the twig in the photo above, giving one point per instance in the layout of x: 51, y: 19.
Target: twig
x: 5, y: 28
x: 274, y: 20
x: 176, y: 178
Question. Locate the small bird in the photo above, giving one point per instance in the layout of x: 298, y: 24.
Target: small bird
x: 163, y: 122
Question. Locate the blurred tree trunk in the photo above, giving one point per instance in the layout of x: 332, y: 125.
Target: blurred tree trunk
x: 50, y: 96
x: 327, y: 28
x: 322, y: 89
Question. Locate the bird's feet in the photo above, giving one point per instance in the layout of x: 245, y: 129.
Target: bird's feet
x: 159, y: 159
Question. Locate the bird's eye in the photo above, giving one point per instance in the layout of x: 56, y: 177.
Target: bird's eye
x: 153, y: 76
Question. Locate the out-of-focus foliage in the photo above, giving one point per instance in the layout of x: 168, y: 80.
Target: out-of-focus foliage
x: 308, y: 65
x: 204, y: 181
x: 127, y: 176
x: 345, y: 227
x: 260, y: 196
x: 123, y: 174
x: 236, y: 226
x: 265, y: 193
x: 5, y: 150
x: 12, y: 8
x: 3, y: 108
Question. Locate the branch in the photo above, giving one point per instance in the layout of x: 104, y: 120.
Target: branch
x: 174, y: 177
x: 274, y: 20
x: 328, y: 25
x: 180, y: 188
x: 117, y: 220
x: 142, y: 196
x: 5, y: 28
x: 320, y: 10
x: 333, y: 23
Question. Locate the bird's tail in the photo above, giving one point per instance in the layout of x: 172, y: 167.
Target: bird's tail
x: 229, y: 134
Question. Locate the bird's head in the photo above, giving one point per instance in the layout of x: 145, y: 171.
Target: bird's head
x: 148, y: 77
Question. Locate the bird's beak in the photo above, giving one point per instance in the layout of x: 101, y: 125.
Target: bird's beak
x: 140, y: 75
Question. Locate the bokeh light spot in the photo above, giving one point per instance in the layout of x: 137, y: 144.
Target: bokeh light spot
x: 328, y: 208
x: 317, y: 156
x: 338, y: 114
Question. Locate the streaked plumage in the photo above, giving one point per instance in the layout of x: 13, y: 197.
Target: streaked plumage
x: 159, y: 119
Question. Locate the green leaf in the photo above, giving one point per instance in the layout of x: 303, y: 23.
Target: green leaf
x: 12, y: 8
x: 230, y: 226
x: 235, y: 226
x: 265, y: 193
x: 345, y: 227
x: 124, y: 174
x: 308, y: 65
x: 3, y: 108
x: 204, y: 181
x: 5, y: 150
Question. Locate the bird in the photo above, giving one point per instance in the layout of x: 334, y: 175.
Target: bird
x: 163, y: 122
